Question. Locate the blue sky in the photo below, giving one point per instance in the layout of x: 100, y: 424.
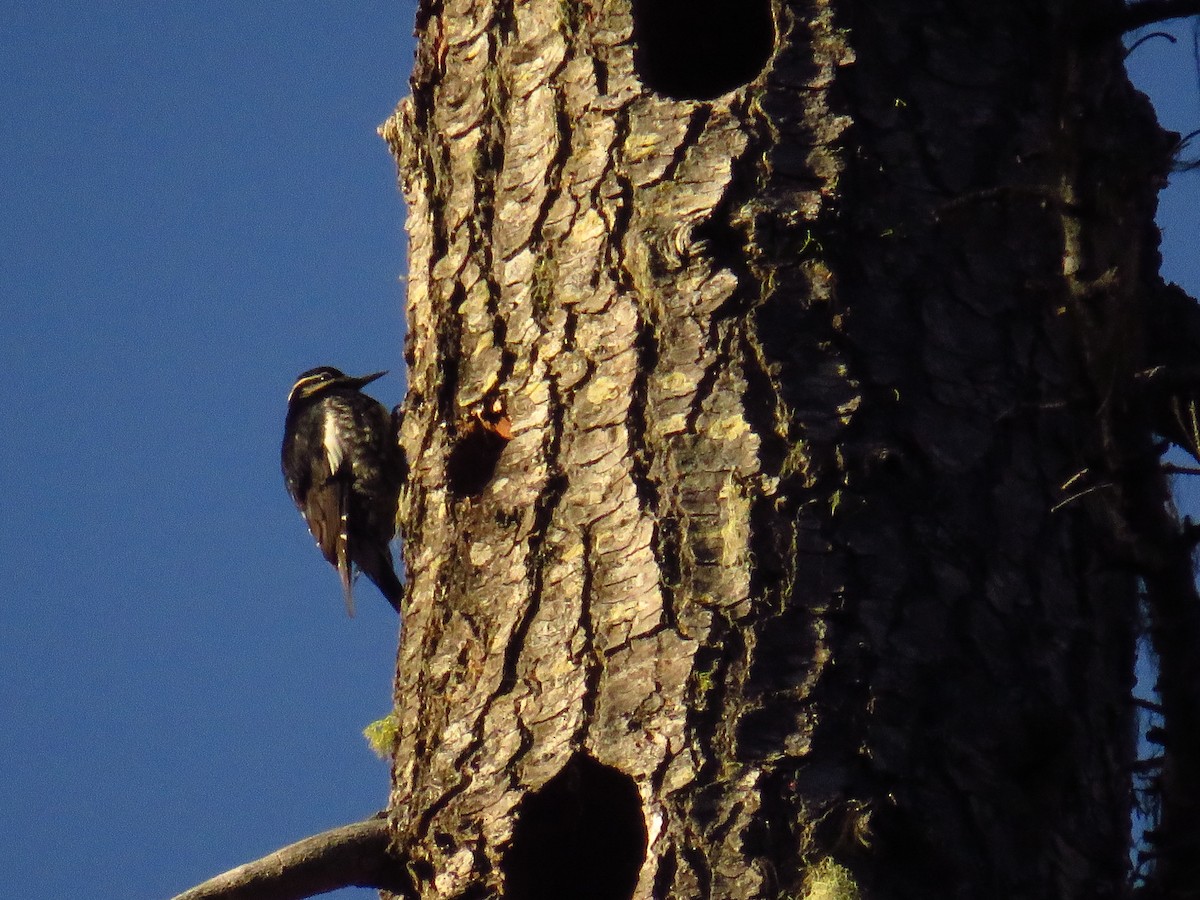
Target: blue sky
x: 196, y: 208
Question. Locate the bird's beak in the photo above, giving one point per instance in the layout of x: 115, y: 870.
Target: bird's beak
x: 363, y: 380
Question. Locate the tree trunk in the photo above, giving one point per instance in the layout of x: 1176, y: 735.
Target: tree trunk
x: 780, y: 485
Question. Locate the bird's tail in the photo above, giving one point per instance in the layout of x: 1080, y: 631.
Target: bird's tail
x: 391, y: 587
x: 378, y: 567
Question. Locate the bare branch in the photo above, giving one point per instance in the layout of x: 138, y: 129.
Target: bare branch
x: 350, y: 856
x: 1148, y: 37
x: 1172, y: 469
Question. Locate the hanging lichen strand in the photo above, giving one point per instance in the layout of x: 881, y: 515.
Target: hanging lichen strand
x: 734, y: 533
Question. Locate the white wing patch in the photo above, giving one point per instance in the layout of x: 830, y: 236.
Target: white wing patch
x: 335, y: 448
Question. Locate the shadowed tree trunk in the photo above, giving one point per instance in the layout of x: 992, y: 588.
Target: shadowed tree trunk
x: 783, y: 478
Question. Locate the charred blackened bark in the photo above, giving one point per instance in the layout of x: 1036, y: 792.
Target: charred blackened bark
x: 780, y: 485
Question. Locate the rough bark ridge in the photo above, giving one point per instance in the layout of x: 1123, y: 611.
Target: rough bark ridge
x: 811, y: 554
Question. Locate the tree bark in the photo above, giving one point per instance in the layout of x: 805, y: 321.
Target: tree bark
x: 780, y: 483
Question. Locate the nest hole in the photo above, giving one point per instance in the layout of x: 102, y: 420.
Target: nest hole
x: 581, y: 836
x: 700, y: 49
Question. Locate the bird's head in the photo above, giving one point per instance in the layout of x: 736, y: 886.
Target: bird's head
x: 323, y: 378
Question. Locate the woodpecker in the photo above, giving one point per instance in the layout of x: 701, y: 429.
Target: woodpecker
x: 344, y: 468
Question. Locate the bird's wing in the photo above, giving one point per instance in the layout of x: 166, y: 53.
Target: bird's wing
x: 326, y: 507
